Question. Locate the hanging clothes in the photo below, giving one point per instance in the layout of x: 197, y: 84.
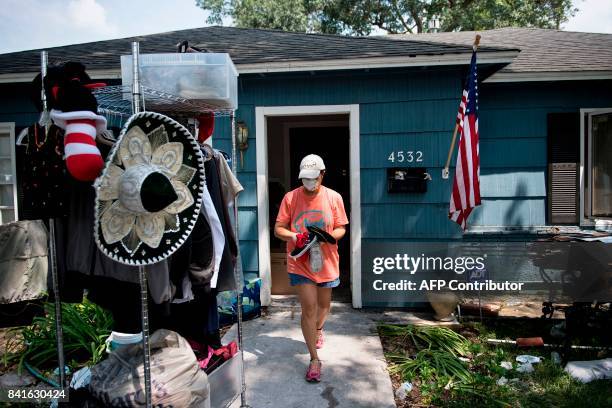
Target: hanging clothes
x: 179, y: 271
x: 158, y: 279
x: 83, y: 256
x: 226, y: 279
x: 231, y: 187
x: 71, y: 283
x: 42, y: 174
x: 202, y: 262
x: 80, y: 246
x: 23, y: 261
x: 199, y: 272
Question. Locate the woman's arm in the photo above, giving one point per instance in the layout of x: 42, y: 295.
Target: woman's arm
x: 281, y: 231
x: 338, y: 232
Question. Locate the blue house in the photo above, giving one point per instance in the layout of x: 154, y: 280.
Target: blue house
x: 367, y: 105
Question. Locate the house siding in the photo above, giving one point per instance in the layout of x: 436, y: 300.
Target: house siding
x: 405, y: 110
x: 414, y: 110
x: 396, y: 108
x: 513, y: 148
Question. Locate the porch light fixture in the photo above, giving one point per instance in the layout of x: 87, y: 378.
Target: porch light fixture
x: 242, y: 136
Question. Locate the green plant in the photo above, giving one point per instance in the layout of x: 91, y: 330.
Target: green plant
x: 478, y: 391
x: 549, y: 385
x: 439, y: 338
x: 85, y: 327
x: 441, y: 362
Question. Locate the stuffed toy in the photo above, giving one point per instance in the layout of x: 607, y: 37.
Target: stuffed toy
x: 74, y: 109
x: 206, y: 126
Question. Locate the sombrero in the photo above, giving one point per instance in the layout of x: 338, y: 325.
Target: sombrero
x: 322, y: 235
x: 149, y: 194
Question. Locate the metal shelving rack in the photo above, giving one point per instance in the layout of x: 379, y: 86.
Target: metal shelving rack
x: 124, y: 101
x: 59, y: 334
x: 117, y: 100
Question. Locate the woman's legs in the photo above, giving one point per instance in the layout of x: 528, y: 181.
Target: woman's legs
x: 323, y: 305
x: 307, y: 295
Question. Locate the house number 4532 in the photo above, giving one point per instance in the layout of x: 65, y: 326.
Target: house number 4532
x: 406, y: 156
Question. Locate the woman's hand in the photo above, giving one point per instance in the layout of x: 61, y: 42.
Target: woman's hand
x: 281, y: 231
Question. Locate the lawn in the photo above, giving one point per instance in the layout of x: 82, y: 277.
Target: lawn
x: 458, y: 368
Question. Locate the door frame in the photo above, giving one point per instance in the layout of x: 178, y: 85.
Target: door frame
x: 9, y: 128
x: 585, y: 166
x: 261, y: 137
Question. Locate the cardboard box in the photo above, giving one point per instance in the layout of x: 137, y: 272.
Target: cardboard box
x: 280, y: 279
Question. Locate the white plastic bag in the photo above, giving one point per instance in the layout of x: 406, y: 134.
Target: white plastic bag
x: 587, y: 371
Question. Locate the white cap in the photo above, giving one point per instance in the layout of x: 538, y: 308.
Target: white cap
x: 311, y: 166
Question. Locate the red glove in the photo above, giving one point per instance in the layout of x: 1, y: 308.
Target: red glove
x: 301, y: 239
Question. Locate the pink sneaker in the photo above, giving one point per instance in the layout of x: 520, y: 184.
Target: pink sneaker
x: 320, y: 339
x: 314, y: 371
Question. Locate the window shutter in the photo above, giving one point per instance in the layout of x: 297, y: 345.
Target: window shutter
x: 563, y: 165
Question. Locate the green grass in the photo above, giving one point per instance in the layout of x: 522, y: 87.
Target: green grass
x: 428, y: 357
x: 550, y: 386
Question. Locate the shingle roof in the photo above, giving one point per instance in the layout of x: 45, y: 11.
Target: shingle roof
x: 245, y: 46
x: 541, y: 50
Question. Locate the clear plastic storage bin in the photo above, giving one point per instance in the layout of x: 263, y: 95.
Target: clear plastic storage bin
x: 225, y: 382
x: 210, y: 78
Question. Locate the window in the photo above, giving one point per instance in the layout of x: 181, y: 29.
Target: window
x: 596, y: 167
x: 8, y: 182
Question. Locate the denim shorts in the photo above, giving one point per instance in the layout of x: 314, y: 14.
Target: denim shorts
x: 295, y: 279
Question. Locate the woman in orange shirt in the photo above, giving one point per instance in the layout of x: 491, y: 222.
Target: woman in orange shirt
x: 311, y: 219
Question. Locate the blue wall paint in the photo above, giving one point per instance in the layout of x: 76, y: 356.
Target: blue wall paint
x: 406, y: 110
x: 414, y: 111
x: 392, y: 106
x: 248, y: 252
x: 512, y: 182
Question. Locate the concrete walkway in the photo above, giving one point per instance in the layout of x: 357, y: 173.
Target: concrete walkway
x: 354, y: 369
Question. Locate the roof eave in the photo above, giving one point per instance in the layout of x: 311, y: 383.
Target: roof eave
x: 549, y: 76
x: 494, y: 57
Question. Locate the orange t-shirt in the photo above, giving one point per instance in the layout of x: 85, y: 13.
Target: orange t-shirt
x: 324, y: 210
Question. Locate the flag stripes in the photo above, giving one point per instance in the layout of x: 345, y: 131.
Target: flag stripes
x: 465, y: 195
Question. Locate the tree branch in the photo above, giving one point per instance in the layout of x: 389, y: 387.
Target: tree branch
x: 398, y: 13
x: 417, y: 20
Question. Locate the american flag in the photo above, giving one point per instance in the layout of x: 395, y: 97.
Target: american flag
x: 466, y: 186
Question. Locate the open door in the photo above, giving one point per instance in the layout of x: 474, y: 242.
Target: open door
x: 290, y: 138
